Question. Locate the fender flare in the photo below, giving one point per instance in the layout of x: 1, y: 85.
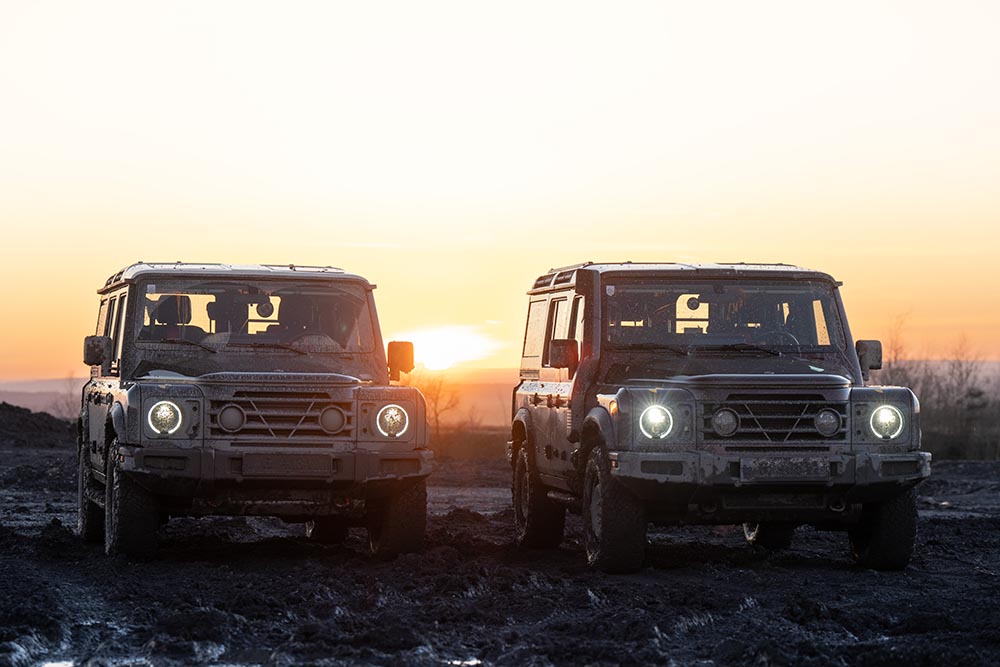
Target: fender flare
x: 521, y: 422
x: 598, y: 428
x: 116, y: 415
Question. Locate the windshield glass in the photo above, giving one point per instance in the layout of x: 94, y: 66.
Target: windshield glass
x: 221, y: 324
x: 694, y: 317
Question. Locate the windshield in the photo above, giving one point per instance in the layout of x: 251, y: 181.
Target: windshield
x: 710, y: 317
x: 240, y: 325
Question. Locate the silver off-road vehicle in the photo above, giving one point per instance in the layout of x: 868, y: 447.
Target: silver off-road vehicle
x: 707, y: 394
x: 248, y: 390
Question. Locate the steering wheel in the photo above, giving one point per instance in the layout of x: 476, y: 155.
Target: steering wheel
x: 782, y: 338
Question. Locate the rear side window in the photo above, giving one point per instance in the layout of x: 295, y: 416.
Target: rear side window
x: 534, y: 332
x: 102, y: 316
x: 558, y: 325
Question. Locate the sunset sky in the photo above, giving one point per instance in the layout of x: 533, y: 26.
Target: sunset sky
x: 452, y: 151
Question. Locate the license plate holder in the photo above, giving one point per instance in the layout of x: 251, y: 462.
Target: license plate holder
x: 784, y: 469
x: 288, y: 465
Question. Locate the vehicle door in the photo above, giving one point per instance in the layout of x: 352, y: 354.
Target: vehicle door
x: 552, y: 411
x: 100, y: 392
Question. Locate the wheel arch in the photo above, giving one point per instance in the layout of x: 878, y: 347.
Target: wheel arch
x: 520, y: 435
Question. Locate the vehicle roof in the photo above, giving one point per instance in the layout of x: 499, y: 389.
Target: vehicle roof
x: 180, y: 269
x: 566, y: 275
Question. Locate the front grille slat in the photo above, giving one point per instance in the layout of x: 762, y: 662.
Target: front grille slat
x: 774, y: 420
x: 276, y: 418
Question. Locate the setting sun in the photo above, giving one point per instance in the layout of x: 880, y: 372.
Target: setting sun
x: 441, y: 348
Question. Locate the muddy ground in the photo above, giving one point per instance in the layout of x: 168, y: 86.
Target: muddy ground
x: 253, y: 591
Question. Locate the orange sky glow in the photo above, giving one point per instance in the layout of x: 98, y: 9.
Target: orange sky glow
x: 452, y: 151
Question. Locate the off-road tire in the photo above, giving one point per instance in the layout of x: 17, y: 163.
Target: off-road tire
x: 614, y: 521
x: 90, y: 515
x: 883, y: 539
x: 327, y: 530
x: 131, y: 517
x: 771, y: 536
x: 539, y: 522
x: 397, y: 525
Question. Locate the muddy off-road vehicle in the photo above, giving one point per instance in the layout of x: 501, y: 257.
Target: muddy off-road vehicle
x: 248, y: 390
x: 707, y: 394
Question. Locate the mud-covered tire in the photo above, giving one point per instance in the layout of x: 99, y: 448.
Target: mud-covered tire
x: 771, y: 536
x: 90, y: 515
x: 539, y: 523
x: 397, y: 526
x: 327, y: 530
x: 884, y: 538
x: 131, y: 517
x: 614, y: 521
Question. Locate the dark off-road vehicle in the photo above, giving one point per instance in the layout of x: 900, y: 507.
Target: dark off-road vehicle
x: 707, y: 394
x: 248, y: 390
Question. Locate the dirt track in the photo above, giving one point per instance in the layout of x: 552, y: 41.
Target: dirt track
x: 248, y: 591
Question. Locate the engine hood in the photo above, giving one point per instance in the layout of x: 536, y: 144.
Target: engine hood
x: 252, y: 378
x: 764, y: 381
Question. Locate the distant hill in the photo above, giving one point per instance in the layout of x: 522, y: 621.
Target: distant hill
x: 22, y: 427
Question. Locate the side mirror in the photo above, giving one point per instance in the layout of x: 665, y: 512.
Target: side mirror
x: 400, y: 358
x: 564, y: 353
x: 97, y: 351
x: 869, y: 355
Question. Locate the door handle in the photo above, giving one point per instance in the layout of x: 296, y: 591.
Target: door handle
x: 536, y: 399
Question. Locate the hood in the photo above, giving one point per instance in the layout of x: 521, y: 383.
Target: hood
x: 748, y: 381
x: 253, y: 378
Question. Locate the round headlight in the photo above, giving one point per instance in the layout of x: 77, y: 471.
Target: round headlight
x: 725, y: 422
x: 232, y: 418
x: 332, y: 420
x: 827, y: 422
x: 656, y: 422
x: 392, y: 421
x: 887, y: 421
x: 164, y: 417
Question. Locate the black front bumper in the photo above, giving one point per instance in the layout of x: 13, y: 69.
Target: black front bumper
x: 702, y: 487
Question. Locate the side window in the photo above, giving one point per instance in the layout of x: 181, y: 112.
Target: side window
x: 577, y: 325
x: 534, y: 332
x: 118, y: 333
x: 558, y: 325
x: 109, y: 317
x: 102, y: 316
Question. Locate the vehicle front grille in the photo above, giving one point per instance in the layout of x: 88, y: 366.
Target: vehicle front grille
x: 279, y: 417
x: 773, y: 420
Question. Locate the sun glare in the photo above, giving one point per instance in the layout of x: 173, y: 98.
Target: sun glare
x: 441, y: 348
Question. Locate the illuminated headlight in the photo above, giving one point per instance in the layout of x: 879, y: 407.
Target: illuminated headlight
x: 656, y: 422
x: 164, y: 417
x: 392, y: 421
x: 887, y: 422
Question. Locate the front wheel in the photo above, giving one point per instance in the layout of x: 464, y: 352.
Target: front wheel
x: 539, y: 523
x: 771, y: 536
x: 398, y: 525
x: 90, y: 516
x: 884, y: 538
x: 131, y: 517
x: 614, y: 521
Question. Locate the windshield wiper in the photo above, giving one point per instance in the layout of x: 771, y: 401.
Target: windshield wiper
x: 739, y: 347
x: 274, y: 344
x: 184, y: 341
x: 676, y: 349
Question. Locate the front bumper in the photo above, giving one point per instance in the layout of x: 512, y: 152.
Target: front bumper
x: 706, y: 487
x: 282, y: 482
